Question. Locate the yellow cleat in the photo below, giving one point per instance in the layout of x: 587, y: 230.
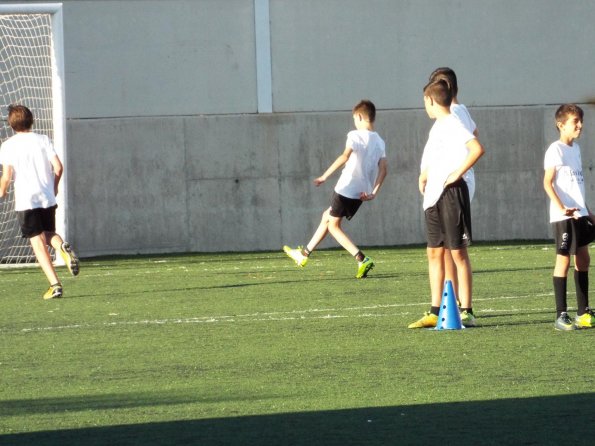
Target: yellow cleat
x: 296, y: 254
x: 586, y: 320
x: 364, y: 267
x: 70, y: 259
x: 428, y: 320
x: 53, y: 292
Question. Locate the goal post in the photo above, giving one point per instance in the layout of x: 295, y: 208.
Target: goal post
x: 32, y: 74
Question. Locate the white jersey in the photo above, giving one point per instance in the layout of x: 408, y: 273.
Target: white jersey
x: 29, y: 154
x: 361, y: 169
x: 461, y: 112
x: 444, y: 153
x: 569, y: 183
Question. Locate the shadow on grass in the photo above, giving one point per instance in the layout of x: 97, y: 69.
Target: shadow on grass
x: 531, y: 421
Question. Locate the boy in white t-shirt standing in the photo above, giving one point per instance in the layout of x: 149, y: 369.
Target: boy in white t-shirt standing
x: 570, y: 217
x: 365, y: 164
x: 451, y: 150
x: 29, y: 158
x: 459, y: 111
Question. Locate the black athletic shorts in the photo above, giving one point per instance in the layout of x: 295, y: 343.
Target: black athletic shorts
x: 35, y: 221
x: 448, y: 222
x: 344, y: 207
x: 571, y: 234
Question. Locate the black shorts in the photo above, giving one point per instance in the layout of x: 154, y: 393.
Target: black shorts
x: 448, y: 222
x: 571, y: 234
x: 35, y: 221
x: 344, y: 207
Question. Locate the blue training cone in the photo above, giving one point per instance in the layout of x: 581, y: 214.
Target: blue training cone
x: 449, y: 317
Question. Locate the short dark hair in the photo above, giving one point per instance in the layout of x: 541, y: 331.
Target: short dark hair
x: 448, y: 74
x: 366, y: 108
x: 440, y: 91
x: 565, y: 110
x: 20, y: 118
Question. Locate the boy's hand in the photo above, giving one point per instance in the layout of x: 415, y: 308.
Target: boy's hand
x: 452, y: 178
x: 570, y: 212
x: 318, y: 181
x: 366, y: 197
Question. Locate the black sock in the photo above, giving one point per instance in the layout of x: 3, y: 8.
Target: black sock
x: 435, y: 310
x: 468, y: 310
x: 306, y: 252
x: 360, y: 256
x: 560, y: 294
x: 581, y: 282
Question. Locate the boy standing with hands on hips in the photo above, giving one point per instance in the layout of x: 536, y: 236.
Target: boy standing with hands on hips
x: 571, y: 219
x: 451, y: 150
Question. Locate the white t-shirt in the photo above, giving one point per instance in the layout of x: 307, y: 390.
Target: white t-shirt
x: 461, y: 112
x: 361, y: 169
x: 444, y: 153
x: 569, y: 183
x: 29, y: 154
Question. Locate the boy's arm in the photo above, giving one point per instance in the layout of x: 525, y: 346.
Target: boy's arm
x: 339, y: 162
x: 476, y: 151
x: 382, y: 171
x: 58, y: 169
x: 5, y: 180
x: 548, y: 185
x: 423, y: 180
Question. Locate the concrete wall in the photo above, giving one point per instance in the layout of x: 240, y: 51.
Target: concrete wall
x: 223, y: 183
x: 166, y: 150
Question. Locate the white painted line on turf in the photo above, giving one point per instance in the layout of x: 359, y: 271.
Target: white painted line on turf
x: 312, y: 313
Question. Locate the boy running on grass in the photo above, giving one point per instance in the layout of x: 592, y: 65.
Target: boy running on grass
x: 570, y: 217
x: 365, y: 164
x: 30, y: 159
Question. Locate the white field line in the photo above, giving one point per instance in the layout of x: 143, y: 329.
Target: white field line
x: 313, y: 313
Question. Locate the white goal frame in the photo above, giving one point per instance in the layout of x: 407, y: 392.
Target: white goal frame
x: 54, y: 10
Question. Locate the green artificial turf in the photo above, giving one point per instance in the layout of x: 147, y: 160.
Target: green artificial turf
x: 234, y: 349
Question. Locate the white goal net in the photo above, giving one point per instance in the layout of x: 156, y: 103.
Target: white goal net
x: 29, y: 75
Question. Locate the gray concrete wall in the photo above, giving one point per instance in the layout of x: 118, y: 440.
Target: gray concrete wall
x: 244, y: 182
x: 166, y: 150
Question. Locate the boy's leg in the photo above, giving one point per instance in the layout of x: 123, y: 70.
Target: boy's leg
x: 560, y: 282
x: 300, y: 255
x: 582, y: 262
x: 320, y: 232
x: 334, y: 227
x: 450, y: 273
x: 39, y: 245
x: 465, y: 276
x: 436, y: 274
x: 585, y: 318
x: 68, y: 256
x: 365, y: 263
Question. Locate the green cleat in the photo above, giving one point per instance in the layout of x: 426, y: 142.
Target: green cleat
x: 296, y: 255
x: 586, y: 320
x: 564, y: 323
x: 364, y: 267
x: 468, y: 319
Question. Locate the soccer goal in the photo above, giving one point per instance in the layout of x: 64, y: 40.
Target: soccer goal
x: 31, y: 74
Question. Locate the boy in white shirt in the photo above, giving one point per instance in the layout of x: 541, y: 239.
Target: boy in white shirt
x: 365, y: 164
x: 570, y: 217
x: 451, y: 151
x: 461, y: 112
x: 30, y: 160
